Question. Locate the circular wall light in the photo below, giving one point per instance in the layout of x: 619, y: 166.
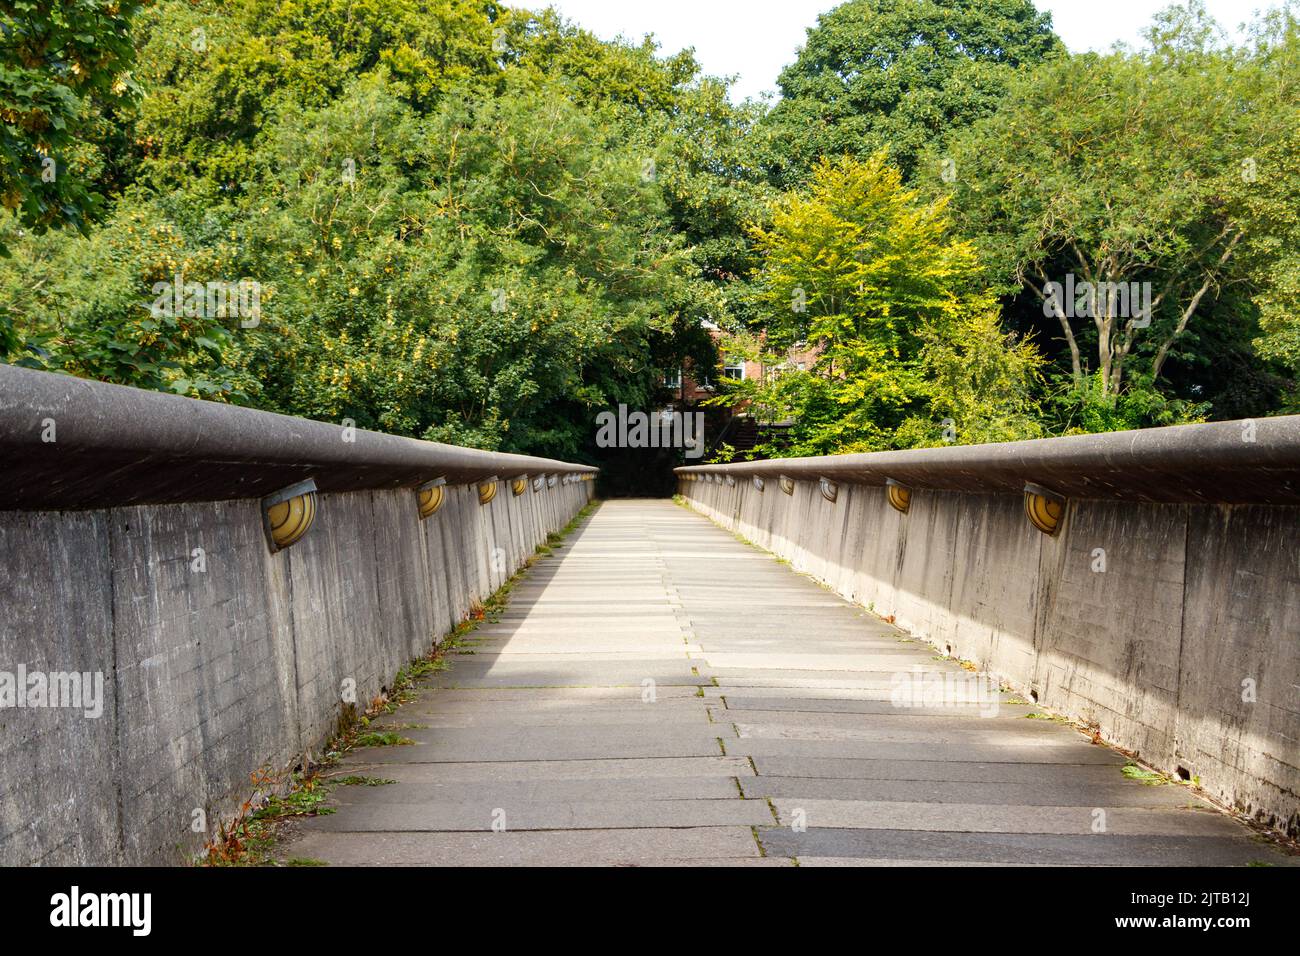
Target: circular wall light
x: 288, y: 514
x: 487, y: 490
x: 830, y: 490
x: 787, y: 484
x: 430, y: 496
x: 900, y: 496
x: 1044, y: 507
x: 519, y: 485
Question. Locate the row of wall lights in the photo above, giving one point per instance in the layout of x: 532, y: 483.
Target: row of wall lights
x: 1043, y: 506
x: 288, y: 514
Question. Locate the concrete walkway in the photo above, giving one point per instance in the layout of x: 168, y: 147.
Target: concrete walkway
x: 658, y: 692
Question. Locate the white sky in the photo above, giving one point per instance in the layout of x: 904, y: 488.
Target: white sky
x: 754, y: 39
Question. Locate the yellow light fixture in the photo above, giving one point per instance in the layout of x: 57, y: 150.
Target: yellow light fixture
x: 1044, y: 507
x: 288, y: 514
x: 487, y: 490
x: 900, y: 496
x: 519, y: 486
x: 430, y: 496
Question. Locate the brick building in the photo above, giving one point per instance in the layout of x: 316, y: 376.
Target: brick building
x: 735, y: 426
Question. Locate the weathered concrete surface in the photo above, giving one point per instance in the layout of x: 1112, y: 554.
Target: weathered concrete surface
x: 1174, y: 628
x: 212, y: 674
x: 1241, y: 462
x: 68, y: 442
x: 534, y: 748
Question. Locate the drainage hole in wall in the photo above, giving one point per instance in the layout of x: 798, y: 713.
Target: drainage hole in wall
x: 1033, y: 695
x: 1183, y: 773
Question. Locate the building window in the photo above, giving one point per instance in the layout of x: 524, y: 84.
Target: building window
x: 673, y: 379
x: 734, y: 369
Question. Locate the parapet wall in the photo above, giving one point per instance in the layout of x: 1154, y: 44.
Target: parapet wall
x: 217, y: 656
x: 1164, y: 609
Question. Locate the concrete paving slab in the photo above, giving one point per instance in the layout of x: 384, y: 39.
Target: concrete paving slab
x: 1020, y: 848
x: 880, y: 683
x: 953, y: 771
x: 740, y: 664
x: 626, y: 847
x: 995, y: 724
x: 565, y: 695
x: 1064, y: 791
x: 881, y: 692
x: 1014, y: 818
x: 512, y: 771
x: 636, y: 715
x: 886, y: 750
x: 807, y: 705
x: 467, y: 673
x: 539, y: 791
x: 549, y: 743
x: 825, y: 861
x: 673, y: 652
x: 486, y: 814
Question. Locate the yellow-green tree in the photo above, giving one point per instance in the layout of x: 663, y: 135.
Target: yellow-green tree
x: 869, y: 274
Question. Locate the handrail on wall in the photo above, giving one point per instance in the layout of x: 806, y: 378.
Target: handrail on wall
x: 68, y: 442
x: 1253, y: 461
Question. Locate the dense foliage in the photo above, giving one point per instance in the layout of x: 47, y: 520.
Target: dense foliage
x: 897, y: 75
x: 1162, y: 167
x: 910, y: 343
x: 482, y: 225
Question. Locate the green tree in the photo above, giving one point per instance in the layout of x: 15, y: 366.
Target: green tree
x: 1100, y: 172
x: 899, y: 74
x: 1271, y: 248
x: 490, y: 274
x: 61, y: 61
x: 64, y: 64
x: 864, y: 271
x: 469, y: 223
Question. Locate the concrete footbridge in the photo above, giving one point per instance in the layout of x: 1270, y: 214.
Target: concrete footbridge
x: 1074, y: 651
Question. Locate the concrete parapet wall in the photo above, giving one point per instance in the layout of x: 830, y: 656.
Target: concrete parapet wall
x: 210, y: 674
x: 1173, y: 627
